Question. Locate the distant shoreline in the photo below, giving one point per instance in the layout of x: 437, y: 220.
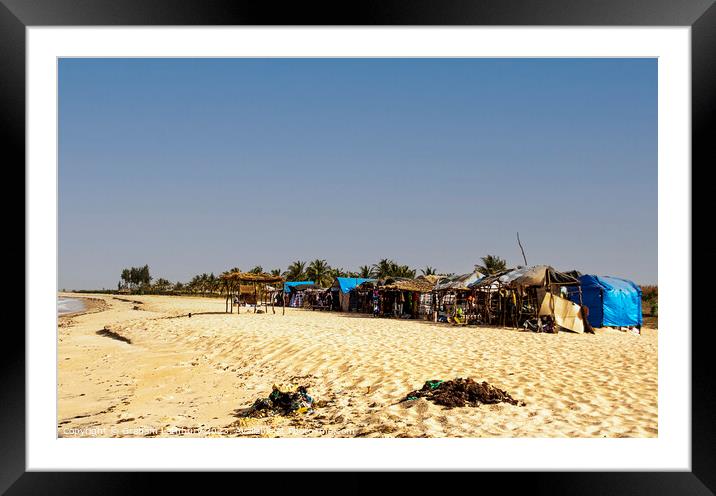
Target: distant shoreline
x: 92, y: 305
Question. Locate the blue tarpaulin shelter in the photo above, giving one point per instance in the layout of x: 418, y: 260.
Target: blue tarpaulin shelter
x: 288, y: 285
x: 347, y: 283
x: 344, y: 286
x: 612, y: 302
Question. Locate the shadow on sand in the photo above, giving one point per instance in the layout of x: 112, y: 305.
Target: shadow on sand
x: 111, y: 334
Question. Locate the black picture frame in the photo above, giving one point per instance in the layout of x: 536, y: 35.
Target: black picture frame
x: 700, y: 15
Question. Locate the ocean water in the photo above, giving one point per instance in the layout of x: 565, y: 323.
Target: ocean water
x: 69, y: 305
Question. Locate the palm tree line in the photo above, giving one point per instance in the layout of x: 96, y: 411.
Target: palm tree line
x: 318, y: 271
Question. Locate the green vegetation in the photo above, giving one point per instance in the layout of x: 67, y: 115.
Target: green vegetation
x: 650, y: 299
x: 491, y: 264
x: 138, y: 279
x: 388, y: 268
x: 296, y: 271
x: 319, y: 272
x: 365, y: 271
x: 135, y: 278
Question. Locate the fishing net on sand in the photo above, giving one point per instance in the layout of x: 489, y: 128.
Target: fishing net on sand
x: 461, y: 392
x: 281, y: 403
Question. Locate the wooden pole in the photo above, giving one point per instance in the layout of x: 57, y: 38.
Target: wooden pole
x: 436, y: 305
x: 522, y: 249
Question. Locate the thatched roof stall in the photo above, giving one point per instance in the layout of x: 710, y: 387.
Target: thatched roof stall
x: 234, y: 287
x: 537, y: 275
x: 317, y: 298
x: 459, y: 283
x: 418, y: 285
x: 432, y: 278
x: 490, y: 281
x: 424, y: 303
x: 514, y: 296
x: 397, y: 296
x: 542, y: 276
x: 453, y: 296
x: 251, y: 277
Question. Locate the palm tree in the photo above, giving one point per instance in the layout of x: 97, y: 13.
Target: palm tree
x: 296, y: 271
x: 384, y: 268
x: 428, y: 271
x: 145, y: 278
x: 388, y: 268
x: 126, y: 277
x: 161, y: 284
x: 338, y: 273
x: 365, y: 271
x: 403, y: 271
x: 319, y: 272
x: 204, y: 283
x: 257, y: 270
x: 212, y: 283
x: 491, y: 264
x: 193, y: 285
x: 276, y: 272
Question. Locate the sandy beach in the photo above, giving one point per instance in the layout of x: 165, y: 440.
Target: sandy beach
x: 154, y: 371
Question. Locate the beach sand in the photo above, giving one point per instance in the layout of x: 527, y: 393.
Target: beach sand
x: 182, y: 376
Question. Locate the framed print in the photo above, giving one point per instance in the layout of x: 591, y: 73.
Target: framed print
x: 422, y: 238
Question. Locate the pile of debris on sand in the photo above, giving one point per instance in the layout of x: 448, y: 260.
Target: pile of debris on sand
x: 461, y: 392
x: 281, y: 403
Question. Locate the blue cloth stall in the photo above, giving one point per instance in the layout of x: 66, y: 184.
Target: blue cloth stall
x: 288, y: 285
x: 612, y: 302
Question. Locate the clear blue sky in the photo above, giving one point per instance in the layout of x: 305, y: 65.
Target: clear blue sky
x: 199, y: 165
